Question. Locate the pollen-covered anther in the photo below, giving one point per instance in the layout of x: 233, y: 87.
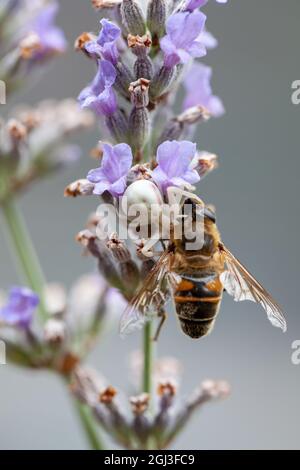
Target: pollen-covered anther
x: 141, y: 84
x: 118, y: 249
x: 139, y: 41
x: 85, y: 237
x: 167, y: 388
x: 81, y: 187
x: 205, y: 162
x: 194, y: 115
x: 139, y: 92
x: 140, y: 404
x: 139, y: 172
x: 100, y: 4
x: 83, y: 39
x: 16, y: 130
x: 30, y: 45
x: 107, y: 396
x: 215, y: 389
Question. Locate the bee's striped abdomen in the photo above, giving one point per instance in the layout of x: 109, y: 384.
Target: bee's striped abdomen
x: 197, y: 301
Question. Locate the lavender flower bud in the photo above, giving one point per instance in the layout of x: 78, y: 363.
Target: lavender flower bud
x: 114, y: 420
x: 139, y: 93
x: 128, y: 268
x: 123, y: 79
x: 86, y: 385
x: 143, y: 67
x: 194, y: 115
x: 140, y: 46
x: 140, y: 404
x: 167, y: 391
x: 105, y: 263
x: 80, y: 187
x: 162, y: 82
x: 156, y: 17
x: 132, y: 17
x: 54, y: 331
x: 176, y: 127
x: 117, y: 125
x: 139, y: 125
x: 141, y: 424
x: 172, y: 131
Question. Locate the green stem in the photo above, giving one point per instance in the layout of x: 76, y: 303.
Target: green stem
x: 24, y: 250
x: 88, y: 425
x: 148, y: 358
x: 32, y: 274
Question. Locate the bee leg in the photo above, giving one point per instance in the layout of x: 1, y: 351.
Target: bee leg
x: 163, y: 317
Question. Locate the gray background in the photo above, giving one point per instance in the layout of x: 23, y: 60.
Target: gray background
x: 255, y: 191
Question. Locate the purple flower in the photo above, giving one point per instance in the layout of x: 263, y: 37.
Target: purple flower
x: 183, y: 39
x: 208, y: 40
x: 51, y: 37
x: 191, y: 5
x: 199, y: 92
x: 100, y: 96
x: 175, y: 164
x: 20, y: 307
x: 115, y: 165
x: 106, y: 45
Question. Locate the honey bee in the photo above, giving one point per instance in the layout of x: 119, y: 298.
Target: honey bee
x: 196, y: 280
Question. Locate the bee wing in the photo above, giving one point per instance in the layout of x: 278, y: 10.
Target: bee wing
x: 240, y: 284
x: 150, y: 294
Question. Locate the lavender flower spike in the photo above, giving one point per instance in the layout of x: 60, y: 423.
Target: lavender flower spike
x: 106, y: 44
x: 199, y: 92
x: 183, y: 39
x: 115, y: 165
x: 51, y: 38
x: 19, y: 308
x: 100, y: 96
x: 175, y: 164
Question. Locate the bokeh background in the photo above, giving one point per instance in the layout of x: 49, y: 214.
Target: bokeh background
x: 255, y: 191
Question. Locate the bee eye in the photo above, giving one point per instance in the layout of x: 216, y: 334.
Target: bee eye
x: 210, y: 215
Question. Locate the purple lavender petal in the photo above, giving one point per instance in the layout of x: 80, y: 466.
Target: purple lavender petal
x: 20, y: 307
x: 51, y: 37
x: 199, y: 91
x: 112, y: 174
x: 118, y: 188
x: 193, y: 4
x: 106, y: 44
x: 100, y: 96
x: 183, y: 38
x: 174, y: 164
x: 109, y: 32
